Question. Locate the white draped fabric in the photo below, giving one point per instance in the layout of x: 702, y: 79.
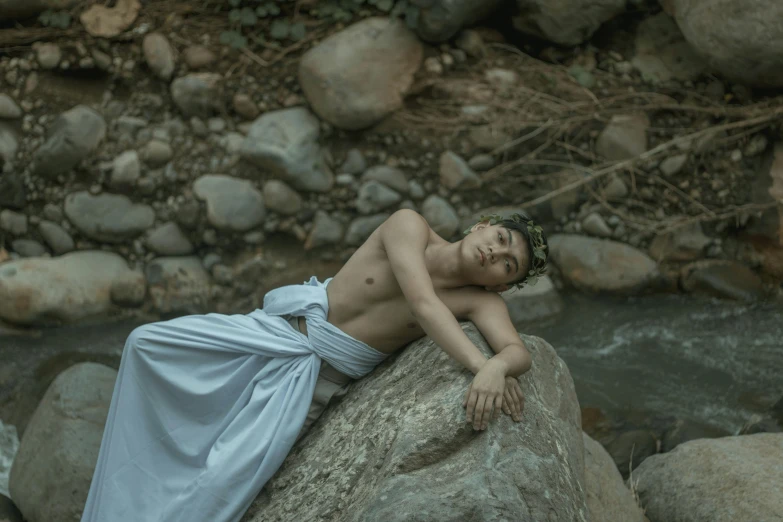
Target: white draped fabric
x: 206, y: 408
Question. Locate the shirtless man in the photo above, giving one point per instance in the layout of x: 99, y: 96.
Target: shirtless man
x: 406, y: 281
x: 206, y: 407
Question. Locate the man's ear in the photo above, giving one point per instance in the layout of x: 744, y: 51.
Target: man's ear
x: 496, y: 288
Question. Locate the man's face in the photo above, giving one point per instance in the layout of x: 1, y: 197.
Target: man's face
x: 496, y: 255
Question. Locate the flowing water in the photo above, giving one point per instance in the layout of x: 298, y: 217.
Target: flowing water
x: 715, y: 362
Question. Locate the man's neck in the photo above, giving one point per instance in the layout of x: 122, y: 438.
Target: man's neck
x: 448, y: 271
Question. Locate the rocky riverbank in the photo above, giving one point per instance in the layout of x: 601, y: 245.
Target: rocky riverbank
x: 149, y: 169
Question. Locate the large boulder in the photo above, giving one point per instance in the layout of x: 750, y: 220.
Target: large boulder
x: 51, y: 474
x: 608, y: 499
x: 741, y: 39
x: 232, y: 204
x: 439, y: 20
x: 398, y: 448
x: 357, y: 77
x: 285, y: 143
x: 720, y: 480
x: 565, y: 22
x: 62, y: 289
x: 601, y: 265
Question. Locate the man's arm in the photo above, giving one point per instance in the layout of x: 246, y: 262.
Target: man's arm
x: 490, y: 315
x: 404, y: 237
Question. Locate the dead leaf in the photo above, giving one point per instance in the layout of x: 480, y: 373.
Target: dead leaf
x: 108, y: 22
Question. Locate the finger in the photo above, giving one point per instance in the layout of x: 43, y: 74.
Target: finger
x: 498, y: 406
x: 479, y: 412
x: 486, y: 413
x: 471, y: 406
x: 465, y: 398
x: 506, y: 402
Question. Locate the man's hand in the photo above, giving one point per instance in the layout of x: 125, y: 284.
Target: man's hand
x: 484, y: 393
x: 513, y: 399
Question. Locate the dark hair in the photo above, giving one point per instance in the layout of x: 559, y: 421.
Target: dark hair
x: 520, y: 224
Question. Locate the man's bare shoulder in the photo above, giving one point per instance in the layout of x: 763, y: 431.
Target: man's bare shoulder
x: 466, y: 300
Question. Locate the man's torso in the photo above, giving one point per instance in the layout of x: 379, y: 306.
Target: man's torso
x: 366, y: 302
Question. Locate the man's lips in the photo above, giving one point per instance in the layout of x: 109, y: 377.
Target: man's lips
x: 483, y: 257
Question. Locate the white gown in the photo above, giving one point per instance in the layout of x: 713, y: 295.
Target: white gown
x: 206, y: 408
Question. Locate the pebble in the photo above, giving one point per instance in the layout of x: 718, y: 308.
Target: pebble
x: 56, y: 237
x: 481, y: 162
x: 9, y: 110
x: 13, y: 222
x: 28, y: 248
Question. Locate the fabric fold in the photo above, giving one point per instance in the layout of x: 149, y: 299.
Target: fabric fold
x: 206, y: 408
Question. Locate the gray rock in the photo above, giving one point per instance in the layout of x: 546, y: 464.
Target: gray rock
x: 344, y: 180
x: 595, y: 225
x: 48, y: 55
x: 198, y: 56
x: 281, y: 198
x: 601, y: 265
x: 326, y: 231
x: 374, y: 197
x: 9, y: 143
x: 616, y: 189
x: 156, y: 153
x: 126, y: 170
x: 684, y: 244
x: 358, y: 76
x: 408, y: 204
x: 232, y: 204
x: 73, y: 136
x: 662, y: 54
x: 56, y: 237
x: 67, y: 288
x: 531, y: 304
x: 9, y: 110
x: 565, y: 24
x: 755, y: 146
x: 210, y: 260
x: 441, y: 216
x: 607, y: 496
x: 168, y: 240
x: 682, y: 485
x: 223, y: 275
x: 130, y: 125
x: 13, y: 192
x: 745, y: 46
x: 129, y: 290
x: 285, y: 143
x: 159, y: 55
x: 51, y: 475
x: 422, y: 461
x: 232, y: 142
x: 178, y: 285
x: 198, y: 94
x: 624, y: 137
x: 28, y: 248
x: 354, y: 162
x: 109, y: 218
x: 439, y: 20
x: 472, y: 43
x: 361, y: 228
x: 53, y: 212
x: 391, y: 177
x: 481, y: 162
x: 13, y: 222
x: 245, y: 106
x: 415, y: 190
x: 456, y: 174
x: 673, y: 164
x: 723, y: 279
